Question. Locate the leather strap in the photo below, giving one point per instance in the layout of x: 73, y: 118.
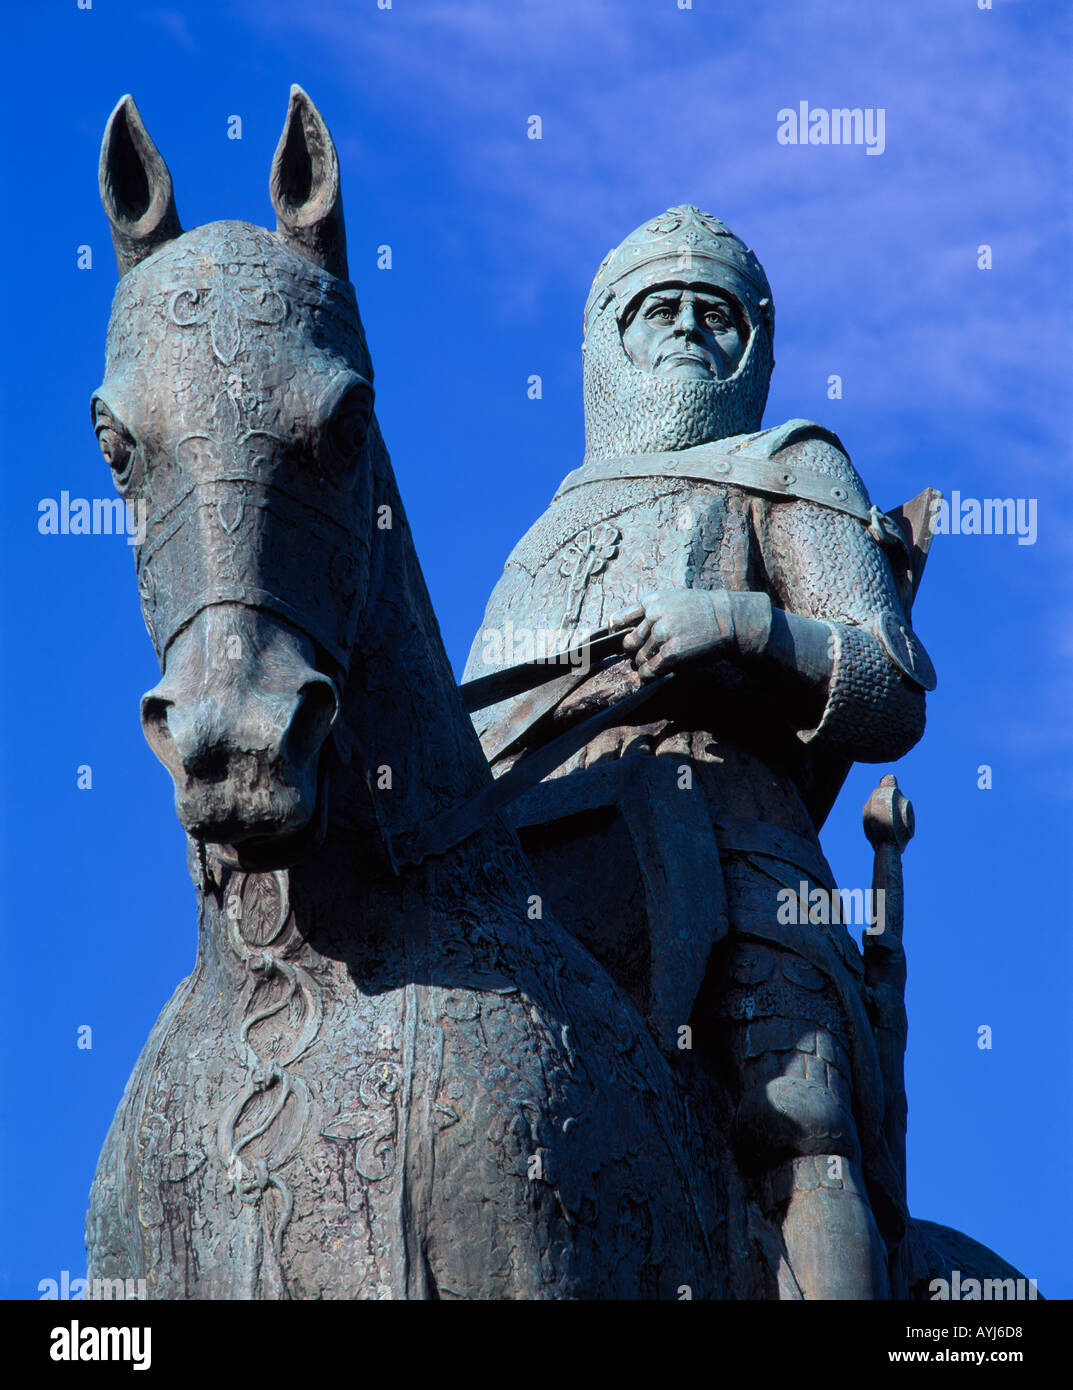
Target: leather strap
x: 459, y: 822
x: 746, y: 468
x: 606, y: 783
x: 740, y: 836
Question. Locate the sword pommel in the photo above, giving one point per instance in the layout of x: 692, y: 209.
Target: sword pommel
x: 888, y: 816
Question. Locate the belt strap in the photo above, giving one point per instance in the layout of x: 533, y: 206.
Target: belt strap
x: 605, y: 784
x: 743, y: 468
x: 739, y: 836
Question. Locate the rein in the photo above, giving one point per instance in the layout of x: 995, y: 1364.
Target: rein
x: 459, y: 822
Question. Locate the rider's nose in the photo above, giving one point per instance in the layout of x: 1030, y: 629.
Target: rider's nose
x: 686, y: 322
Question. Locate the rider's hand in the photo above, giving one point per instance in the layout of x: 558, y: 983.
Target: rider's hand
x: 679, y: 625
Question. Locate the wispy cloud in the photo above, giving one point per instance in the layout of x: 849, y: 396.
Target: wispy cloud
x: 643, y: 106
x: 174, y: 23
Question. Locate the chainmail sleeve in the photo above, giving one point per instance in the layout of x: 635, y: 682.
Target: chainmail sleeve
x: 824, y: 565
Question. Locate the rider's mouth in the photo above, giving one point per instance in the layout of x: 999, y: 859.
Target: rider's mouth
x: 682, y: 356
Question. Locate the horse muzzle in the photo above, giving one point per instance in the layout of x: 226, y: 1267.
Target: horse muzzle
x: 240, y: 719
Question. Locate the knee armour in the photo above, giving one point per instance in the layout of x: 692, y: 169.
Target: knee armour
x: 789, y: 1117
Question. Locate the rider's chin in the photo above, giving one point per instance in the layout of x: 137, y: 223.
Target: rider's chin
x: 687, y: 366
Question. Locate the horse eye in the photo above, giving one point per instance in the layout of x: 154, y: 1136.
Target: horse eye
x: 117, y: 446
x: 348, y: 426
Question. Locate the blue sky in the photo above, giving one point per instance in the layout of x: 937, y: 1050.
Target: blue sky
x: 953, y: 376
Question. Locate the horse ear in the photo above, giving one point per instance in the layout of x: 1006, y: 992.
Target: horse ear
x: 305, y: 187
x: 135, y: 188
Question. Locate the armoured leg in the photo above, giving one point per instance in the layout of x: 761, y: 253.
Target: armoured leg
x: 794, y: 1129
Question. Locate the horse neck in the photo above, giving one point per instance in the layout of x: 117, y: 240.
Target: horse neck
x: 401, y: 707
x: 404, y: 751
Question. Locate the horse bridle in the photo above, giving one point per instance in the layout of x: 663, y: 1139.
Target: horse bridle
x: 323, y: 606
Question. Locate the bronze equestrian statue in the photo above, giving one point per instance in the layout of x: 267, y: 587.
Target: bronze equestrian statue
x: 410, y: 1062
x: 763, y: 611
x: 390, y: 1075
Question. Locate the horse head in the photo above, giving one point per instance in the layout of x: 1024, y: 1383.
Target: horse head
x: 236, y: 417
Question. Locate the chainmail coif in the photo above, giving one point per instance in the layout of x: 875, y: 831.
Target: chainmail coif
x: 630, y: 411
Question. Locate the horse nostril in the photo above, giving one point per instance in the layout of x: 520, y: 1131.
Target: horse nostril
x: 154, y: 714
x: 184, y: 749
x: 318, y: 707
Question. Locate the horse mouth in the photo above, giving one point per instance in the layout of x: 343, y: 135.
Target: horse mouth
x: 263, y: 853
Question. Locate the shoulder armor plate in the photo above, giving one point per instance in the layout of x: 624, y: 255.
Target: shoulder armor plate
x: 905, y: 649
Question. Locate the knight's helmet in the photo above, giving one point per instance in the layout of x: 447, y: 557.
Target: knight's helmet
x: 631, y: 411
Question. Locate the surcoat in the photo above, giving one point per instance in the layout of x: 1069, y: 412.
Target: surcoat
x: 780, y: 511
x: 614, y: 534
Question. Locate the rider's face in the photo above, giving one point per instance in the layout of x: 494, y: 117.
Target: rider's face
x: 688, y: 332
